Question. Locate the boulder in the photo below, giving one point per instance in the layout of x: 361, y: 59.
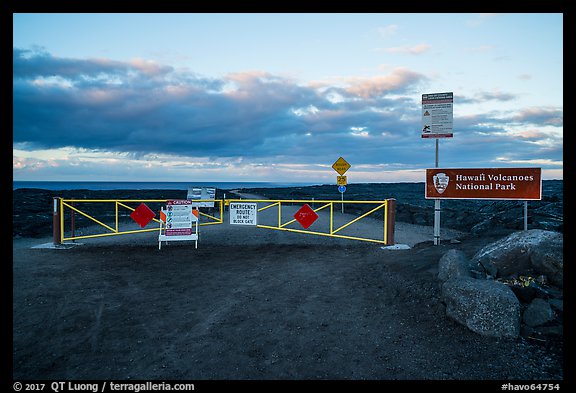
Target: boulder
x: 548, y: 259
x: 513, y: 254
x: 453, y: 263
x: 486, y: 307
x: 557, y: 304
x: 538, y: 313
x: 529, y: 292
x: 493, y: 224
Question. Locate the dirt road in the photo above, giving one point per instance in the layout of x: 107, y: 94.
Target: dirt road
x: 251, y: 303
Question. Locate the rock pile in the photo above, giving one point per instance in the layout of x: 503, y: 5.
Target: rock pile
x: 509, y: 288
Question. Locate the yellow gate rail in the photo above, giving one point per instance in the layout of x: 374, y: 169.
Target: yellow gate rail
x: 61, y: 204
x: 388, y: 207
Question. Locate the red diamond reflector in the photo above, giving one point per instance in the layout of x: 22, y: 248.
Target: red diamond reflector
x: 142, y: 215
x: 306, y: 216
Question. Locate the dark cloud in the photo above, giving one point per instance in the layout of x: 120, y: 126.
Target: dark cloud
x: 484, y: 96
x: 141, y: 107
x: 39, y: 63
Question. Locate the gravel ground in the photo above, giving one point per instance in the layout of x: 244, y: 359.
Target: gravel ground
x: 254, y: 304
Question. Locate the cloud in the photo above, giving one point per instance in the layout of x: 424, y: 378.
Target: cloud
x: 485, y: 96
x: 502, y: 58
x: 411, y: 50
x: 103, y: 116
x: 397, y: 81
x: 541, y: 116
x: 242, y: 114
x: 532, y: 134
x: 387, y: 31
x: 480, y: 19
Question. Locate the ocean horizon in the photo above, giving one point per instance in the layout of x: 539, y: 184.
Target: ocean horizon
x: 147, y: 185
x: 152, y: 185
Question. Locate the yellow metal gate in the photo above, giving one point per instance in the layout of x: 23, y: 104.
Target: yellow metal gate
x: 272, y: 214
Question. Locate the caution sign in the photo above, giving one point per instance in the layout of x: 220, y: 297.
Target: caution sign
x: 242, y: 213
x: 341, y: 180
x: 179, y: 221
x: 179, y: 217
x: 341, y: 166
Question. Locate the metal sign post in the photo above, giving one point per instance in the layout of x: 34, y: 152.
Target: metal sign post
x: 437, y: 208
x: 437, y: 119
x: 342, y: 190
x: 341, y: 166
x: 525, y: 215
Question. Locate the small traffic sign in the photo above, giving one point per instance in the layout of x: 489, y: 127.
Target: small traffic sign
x: 342, y: 189
x: 341, y: 180
x: 341, y: 166
x: 306, y: 216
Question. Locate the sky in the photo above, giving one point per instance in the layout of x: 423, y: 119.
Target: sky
x: 280, y: 97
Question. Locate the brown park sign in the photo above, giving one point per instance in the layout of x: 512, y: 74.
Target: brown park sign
x: 484, y: 183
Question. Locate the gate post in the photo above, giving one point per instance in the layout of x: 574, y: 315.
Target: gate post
x: 390, y: 221
x: 56, y: 233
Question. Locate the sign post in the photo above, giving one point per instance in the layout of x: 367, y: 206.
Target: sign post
x: 342, y: 190
x: 341, y: 166
x: 437, y: 122
x: 525, y: 215
x: 56, y: 214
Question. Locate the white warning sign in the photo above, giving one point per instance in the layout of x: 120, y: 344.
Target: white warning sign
x: 437, y: 115
x: 243, y: 213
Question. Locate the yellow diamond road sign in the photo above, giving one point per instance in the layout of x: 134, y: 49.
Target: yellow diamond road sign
x: 341, y: 166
